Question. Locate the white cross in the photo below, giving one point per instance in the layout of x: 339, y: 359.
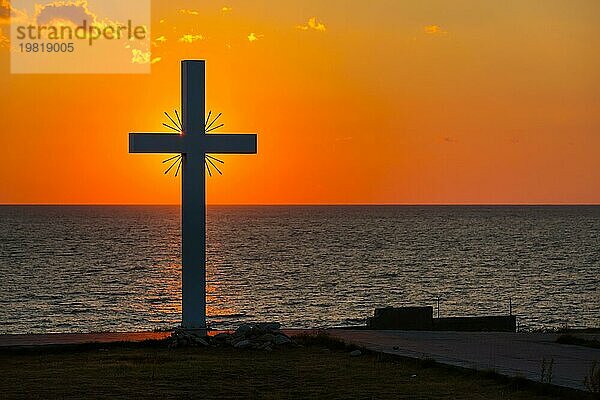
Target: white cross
x: 193, y: 144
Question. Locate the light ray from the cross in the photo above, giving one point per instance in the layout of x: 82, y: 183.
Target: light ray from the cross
x: 178, y: 159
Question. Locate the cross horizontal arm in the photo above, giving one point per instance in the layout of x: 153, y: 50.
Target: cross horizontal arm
x: 155, y: 143
x: 241, y: 143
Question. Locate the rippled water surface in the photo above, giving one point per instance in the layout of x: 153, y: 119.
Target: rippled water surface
x: 118, y: 268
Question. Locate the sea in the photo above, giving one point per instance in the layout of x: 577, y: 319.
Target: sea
x: 118, y: 268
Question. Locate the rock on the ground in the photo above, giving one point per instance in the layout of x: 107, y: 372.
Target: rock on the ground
x: 184, y: 338
x: 281, y: 339
x: 355, y: 353
x: 222, y: 337
x: 242, y: 344
x: 243, y: 329
x: 266, y: 337
x: 261, y: 336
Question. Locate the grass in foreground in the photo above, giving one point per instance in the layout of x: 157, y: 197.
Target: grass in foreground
x: 320, y: 369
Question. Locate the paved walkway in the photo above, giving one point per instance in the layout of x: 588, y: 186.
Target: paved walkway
x: 512, y: 354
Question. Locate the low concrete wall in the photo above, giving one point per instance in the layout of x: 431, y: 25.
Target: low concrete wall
x: 421, y: 318
x: 502, y: 323
x: 404, y: 318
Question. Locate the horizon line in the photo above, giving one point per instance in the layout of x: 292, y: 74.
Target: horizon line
x: 302, y: 204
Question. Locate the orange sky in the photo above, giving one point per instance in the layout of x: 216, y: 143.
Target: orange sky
x: 372, y: 102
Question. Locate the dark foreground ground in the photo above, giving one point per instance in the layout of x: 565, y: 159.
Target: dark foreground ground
x: 322, y: 368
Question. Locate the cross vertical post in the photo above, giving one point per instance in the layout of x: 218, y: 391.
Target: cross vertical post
x: 193, y: 199
x: 193, y: 143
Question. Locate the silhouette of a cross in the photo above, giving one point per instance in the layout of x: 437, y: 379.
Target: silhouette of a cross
x: 193, y: 144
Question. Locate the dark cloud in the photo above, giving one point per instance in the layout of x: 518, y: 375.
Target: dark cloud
x: 74, y: 13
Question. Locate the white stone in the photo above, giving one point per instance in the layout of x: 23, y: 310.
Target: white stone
x: 242, y: 344
x: 281, y: 339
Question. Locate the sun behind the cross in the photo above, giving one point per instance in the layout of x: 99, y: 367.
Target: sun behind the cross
x: 178, y: 159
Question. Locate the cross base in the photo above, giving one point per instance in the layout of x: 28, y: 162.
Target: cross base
x: 199, y: 332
